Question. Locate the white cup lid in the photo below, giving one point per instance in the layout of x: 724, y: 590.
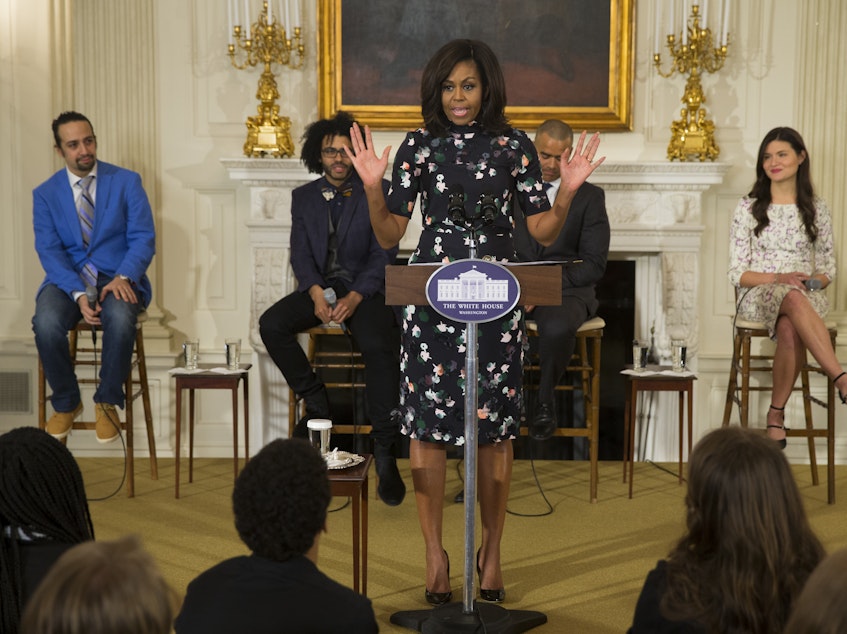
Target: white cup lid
x: 319, y: 423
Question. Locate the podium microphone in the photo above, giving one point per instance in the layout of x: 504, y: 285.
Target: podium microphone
x: 331, y: 299
x: 456, y: 204
x: 487, y: 208
x: 91, y: 296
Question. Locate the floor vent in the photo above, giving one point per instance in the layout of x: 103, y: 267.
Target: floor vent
x: 15, y: 393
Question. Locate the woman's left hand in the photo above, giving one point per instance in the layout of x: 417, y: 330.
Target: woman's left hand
x: 576, y: 168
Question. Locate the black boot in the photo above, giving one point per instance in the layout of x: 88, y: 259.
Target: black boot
x: 543, y: 423
x: 391, y: 489
x: 317, y: 406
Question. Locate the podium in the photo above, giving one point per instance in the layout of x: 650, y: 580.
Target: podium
x: 539, y: 285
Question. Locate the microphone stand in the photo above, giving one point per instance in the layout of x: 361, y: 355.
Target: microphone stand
x: 470, y: 616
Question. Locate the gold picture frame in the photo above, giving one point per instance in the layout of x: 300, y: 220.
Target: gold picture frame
x: 370, y: 64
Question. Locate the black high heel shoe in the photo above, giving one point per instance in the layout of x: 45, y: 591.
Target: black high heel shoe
x: 840, y: 395
x: 440, y: 598
x: 497, y: 595
x: 781, y: 442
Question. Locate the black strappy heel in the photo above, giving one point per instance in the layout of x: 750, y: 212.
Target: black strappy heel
x: 840, y: 395
x: 781, y: 442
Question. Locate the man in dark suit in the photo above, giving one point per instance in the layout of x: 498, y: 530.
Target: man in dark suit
x: 583, y: 244
x: 333, y: 248
x: 280, y: 504
x: 95, y: 238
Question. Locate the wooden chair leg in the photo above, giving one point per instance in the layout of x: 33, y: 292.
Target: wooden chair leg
x: 732, y: 383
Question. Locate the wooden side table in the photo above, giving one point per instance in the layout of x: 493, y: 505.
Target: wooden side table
x: 209, y: 380
x: 353, y: 483
x: 652, y: 382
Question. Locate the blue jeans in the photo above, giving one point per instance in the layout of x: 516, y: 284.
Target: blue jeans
x: 56, y: 314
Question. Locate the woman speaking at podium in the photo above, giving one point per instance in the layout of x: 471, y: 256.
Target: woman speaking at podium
x: 466, y: 145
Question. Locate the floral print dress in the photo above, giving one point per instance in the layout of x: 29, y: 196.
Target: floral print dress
x: 432, y: 362
x: 781, y: 247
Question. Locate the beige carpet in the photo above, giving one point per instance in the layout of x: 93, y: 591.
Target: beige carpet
x: 582, y: 564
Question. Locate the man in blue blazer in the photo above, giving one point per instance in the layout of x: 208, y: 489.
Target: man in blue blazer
x: 95, y: 238
x: 584, y: 243
x: 340, y: 271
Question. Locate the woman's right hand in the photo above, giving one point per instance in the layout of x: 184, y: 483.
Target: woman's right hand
x: 370, y: 167
x: 794, y: 278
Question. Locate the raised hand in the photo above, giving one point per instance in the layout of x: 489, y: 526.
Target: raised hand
x: 576, y: 168
x: 370, y: 167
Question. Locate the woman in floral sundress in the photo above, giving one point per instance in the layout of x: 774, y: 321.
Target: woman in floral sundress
x: 781, y: 237
x: 467, y: 141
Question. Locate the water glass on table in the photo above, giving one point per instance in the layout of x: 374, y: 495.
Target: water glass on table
x: 233, y: 353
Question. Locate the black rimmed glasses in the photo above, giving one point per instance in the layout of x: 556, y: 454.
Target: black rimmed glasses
x: 332, y: 152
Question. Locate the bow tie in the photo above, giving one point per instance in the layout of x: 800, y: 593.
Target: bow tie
x: 331, y: 192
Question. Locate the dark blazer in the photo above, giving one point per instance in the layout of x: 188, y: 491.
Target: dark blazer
x: 585, y: 237
x: 358, y: 250
x: 261, y: 596
x: 123, y: 239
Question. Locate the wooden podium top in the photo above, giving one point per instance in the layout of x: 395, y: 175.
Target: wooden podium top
x: 541, y: 284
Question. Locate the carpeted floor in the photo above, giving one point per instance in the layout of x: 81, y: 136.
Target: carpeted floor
x: 580, y: 564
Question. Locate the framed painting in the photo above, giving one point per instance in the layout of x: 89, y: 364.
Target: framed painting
x: 562, y: 59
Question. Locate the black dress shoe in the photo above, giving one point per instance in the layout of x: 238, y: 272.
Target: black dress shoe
x: 391, y: 489
x: 440, y: 598
x: 543, y: 423
x: 496, y: 595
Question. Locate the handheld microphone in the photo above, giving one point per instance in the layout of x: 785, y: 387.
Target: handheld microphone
x: 91, y: 296
x: 813, y: 284
x: 487, y: 208
x: 332, y: 299
x: 456, y: 204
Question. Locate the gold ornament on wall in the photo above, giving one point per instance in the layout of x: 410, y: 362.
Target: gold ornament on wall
x: 267, y: 43
x: 693, y: 134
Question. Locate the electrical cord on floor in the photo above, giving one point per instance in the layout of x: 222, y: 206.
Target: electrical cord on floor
x: 123, y: 443
x: 340, y: 508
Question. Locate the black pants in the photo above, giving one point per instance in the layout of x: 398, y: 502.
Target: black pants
x: 374, y: 328
x: 557, y: 326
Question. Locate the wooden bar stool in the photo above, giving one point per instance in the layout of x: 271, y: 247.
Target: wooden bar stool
x: 745, y: 362
x: 135, y: 386
x: 329, y: 364
x: 586, y: 361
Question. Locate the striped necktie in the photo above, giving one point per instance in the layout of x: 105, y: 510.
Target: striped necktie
x: 85, y: 210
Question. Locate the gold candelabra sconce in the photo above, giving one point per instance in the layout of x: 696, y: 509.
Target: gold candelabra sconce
x: 267, y: 42
x: 693, y: 135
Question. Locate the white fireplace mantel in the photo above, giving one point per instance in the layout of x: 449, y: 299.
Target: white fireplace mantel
x: 655, y: 212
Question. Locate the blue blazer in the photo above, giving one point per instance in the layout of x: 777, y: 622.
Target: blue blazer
x: 123, y: 239
x: 358, y: 250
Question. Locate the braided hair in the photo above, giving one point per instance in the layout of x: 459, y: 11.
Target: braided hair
x: 42, y: 498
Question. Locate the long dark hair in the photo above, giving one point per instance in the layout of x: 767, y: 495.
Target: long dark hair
x: 42, y: 496
x: 748, y: 548
x: 492, y: 115
x: 805, y: 192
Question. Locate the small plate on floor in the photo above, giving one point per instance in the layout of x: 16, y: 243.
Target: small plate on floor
x: 342, y: 459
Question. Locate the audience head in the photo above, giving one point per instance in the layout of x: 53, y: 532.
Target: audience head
x: 326, y: 134
x: 492, y: 114
x: 749, y: 547
x: 102, y: 588
x: 280, y: 499
x: 42, y: 498
x: 821, y: 607
x: 552, y: 139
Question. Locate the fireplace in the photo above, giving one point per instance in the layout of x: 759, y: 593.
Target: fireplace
x: 655, y: 214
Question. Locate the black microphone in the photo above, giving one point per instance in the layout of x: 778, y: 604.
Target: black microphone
x: 332, y: 299
x: 91, y: 296
x: 813, y: 284
x: 487, y: 208
x: 456, y: 204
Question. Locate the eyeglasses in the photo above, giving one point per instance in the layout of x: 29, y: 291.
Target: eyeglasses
x: 332, y: 152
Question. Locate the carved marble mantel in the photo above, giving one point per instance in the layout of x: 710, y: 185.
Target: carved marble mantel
x: 655, y: 211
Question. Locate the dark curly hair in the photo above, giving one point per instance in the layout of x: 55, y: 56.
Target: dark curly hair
x: 315, y: 134
x: 42, y: 497
x: 492, y: 115
x: 805, y: 191
x: 280, y: 499
x: 67, y: 117
x: 749, y: 548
